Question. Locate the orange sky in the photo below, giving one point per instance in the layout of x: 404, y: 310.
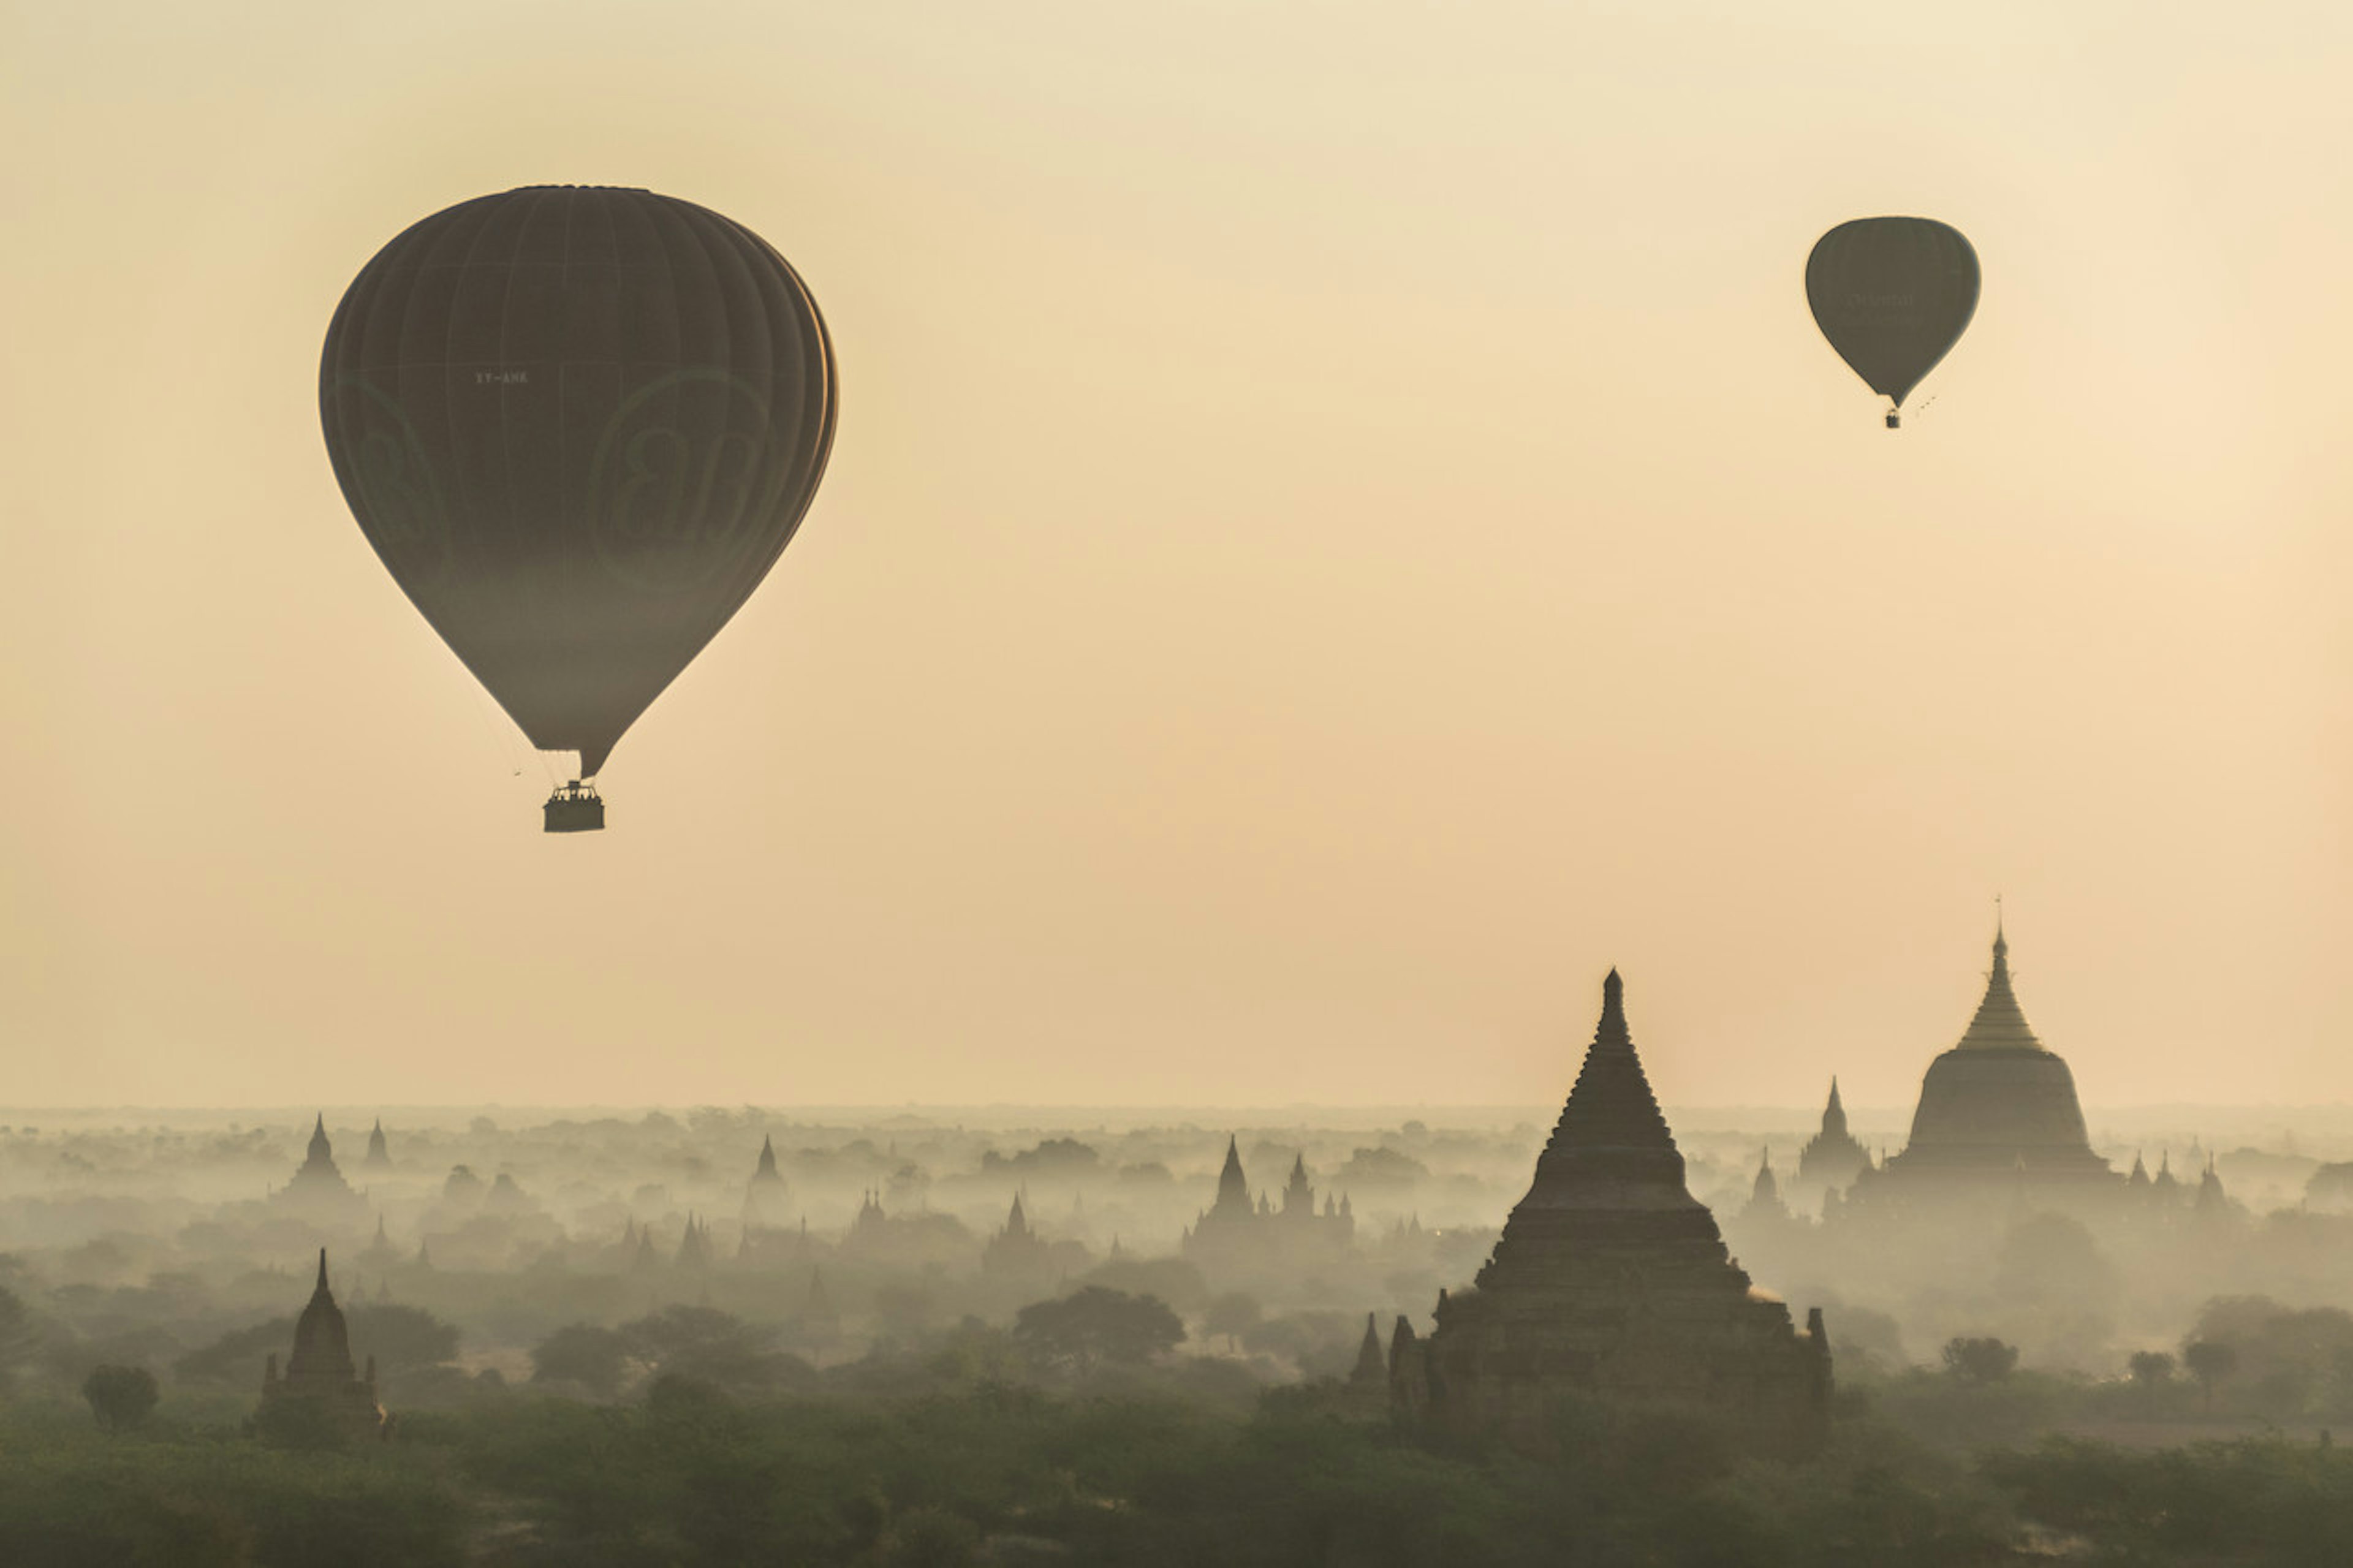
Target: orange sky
x: 1342, y: 530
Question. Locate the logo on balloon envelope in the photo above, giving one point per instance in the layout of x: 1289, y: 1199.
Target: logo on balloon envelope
x: 682, y: 470
x: 390, y: 483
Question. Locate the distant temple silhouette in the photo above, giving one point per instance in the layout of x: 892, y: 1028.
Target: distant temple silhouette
x: 318, y: 1186
x: 1832, y: 1157
x: 1235, y: 1232
x: 1020, y: 1257
x: 379, y: 1157
x: 694, y: 1246
x: 1765, y: 1203
x: 1997, y: 1111
x: 1018, y: 1249
x: 1611, y: 1282
x: 319, y: 1374
x: 766, y: 1196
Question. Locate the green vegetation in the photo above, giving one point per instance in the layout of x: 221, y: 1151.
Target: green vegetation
x: 953, y: 1452
x: 1093, y: 1325
x: 120, y: 1396
x: 2256, y: 1500
x: 1980, y: 1360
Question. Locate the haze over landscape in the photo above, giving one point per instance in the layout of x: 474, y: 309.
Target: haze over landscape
x: 1386, y: 883
x: 1340, y: 532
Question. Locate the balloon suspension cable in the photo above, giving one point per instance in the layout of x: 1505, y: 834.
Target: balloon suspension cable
x: 494, y: 725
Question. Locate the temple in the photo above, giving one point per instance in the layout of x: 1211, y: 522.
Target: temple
x: 1765, y: 1203
x: 318, y: 1186
x: 379, y: 1155
x: 1996, y: 1111
x: 765, y: 1198
x: 1611, y: 1282
x: 1833, y: 1157
x: 1234, y: 1233
x: 320, y: 1385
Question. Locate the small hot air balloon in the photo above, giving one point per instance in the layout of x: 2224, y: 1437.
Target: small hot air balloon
x: 1893, y: 295
x: 578, y: 424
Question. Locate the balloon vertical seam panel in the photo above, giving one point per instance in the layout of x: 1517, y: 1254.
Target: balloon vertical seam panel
x: 600, y: 419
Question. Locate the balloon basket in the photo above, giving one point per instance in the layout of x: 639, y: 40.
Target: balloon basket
x: 1894, y: 420
x: 575, y: 808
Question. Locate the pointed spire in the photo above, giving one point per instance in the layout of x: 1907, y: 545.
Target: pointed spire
x: 320, y: 1152
x: 1372, y: 1366
x: 323, y: 1272
x: 1233, y: 1187
x: 1834, y: 1116
x: 2000, y: 1024
x: 1610, y: 1134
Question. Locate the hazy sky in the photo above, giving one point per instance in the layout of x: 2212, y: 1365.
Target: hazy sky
x: 1342, y: 530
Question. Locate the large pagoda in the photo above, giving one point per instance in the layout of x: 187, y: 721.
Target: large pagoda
x: 1610, y: 1280
x: 1996, y: 1109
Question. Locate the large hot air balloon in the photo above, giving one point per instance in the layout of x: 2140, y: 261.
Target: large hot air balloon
x: 1893, y: 295
x: 578, y: 424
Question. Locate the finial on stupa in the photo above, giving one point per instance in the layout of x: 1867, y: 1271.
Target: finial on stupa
x: 1612, y: 1030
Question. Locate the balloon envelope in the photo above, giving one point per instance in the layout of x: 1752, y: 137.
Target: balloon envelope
x: 578, y: 424
x: 1893, y: 295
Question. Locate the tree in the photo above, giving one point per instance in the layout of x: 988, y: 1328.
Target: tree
x: 20, y: 1335
x: 1097, y: 1325
x: 120, y: 1396
x: 2152, y: 1373
x: 401, y: 1338
x: 2293, y: 1364
x: 597, y: 1359
x: 237, y: 1357
x: 1172, y: 1280
x: 1232, y: 1315
x: 2210, y: 1361
x: 1984, y: 1360
x: 716, y: 1347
